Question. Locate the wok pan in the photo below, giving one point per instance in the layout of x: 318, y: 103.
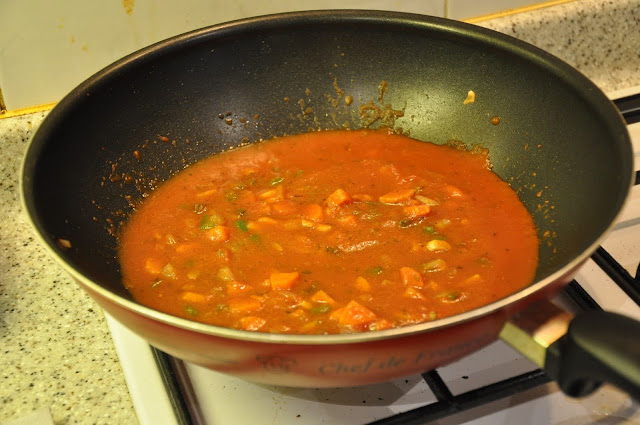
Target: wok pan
x: 559, y: 142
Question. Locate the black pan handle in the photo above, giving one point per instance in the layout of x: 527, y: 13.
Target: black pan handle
x: 598, y: 347
x: 579, y: 352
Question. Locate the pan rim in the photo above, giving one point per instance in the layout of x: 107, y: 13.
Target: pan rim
x: 238, y: 27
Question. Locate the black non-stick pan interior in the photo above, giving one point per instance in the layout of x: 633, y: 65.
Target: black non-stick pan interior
x: 559, y: 142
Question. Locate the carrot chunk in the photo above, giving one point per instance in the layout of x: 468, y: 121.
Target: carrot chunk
x: 193, y: 297
x: 284, y: 208
x: 348, y: 220
x: 276, y: 196
x: 219, y: 234
x: 362, y: 284
x: 417, y: 211
x: 410, y: 277
x: 243, y: 305
x: 397, y: 196
x: 338, y: 198
x: 336, y: 314
x: 313, y: 212
x: 355, y: 314
x: 283, y: 281
x: 323, y: 298
x: 362, y: 197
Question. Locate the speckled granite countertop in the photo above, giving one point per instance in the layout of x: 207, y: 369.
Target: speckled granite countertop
x: 56, y: 352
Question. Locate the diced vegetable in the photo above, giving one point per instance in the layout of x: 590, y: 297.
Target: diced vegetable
x: 272, y: 195
x: 284, y: 208
x: 355, y: 314
x: 437, y: 245
x: 313, y: 212
x: 427, y: 201
x: 410, y: 277
x: 473, y: 280
x: 283, y: 281
x: 169, y: 271
x: 362, y: 284
x: 276, y: 181
x: 450, y: 297
x: 153, y: 265
x: 219, y: 234
x: 443, y: 223
x: 322, y: 298
x: 193, y: 297
x: 338, y: 198
x: 323, y: 227
x: 205, y: 194
x: 305, y: 305
x: 375, y: 270
x: 411, y: 292
x: 397, y: 196
x: 225, y: 273
x: 380, y: 325
x: 417, y: 211
x: 435, y: 266
x: 348, y: 220
x: 337, y: 314
x: 268, y: 220
x: 251, y: 323
x: 231, y: 196
x: 362, y: 197
x: 243, y: 305
x: 299, y: 313
x: 453, y: 191
x: 193, y: 274
x: 242, y: 225
x: 209, y: 221
x: 292, y: 224
x: 192, y: 311
x: 323, y: 308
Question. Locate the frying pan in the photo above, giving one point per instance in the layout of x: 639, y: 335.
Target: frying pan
x: 559, y: 142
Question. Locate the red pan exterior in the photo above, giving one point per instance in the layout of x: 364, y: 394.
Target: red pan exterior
x: 323, y: 365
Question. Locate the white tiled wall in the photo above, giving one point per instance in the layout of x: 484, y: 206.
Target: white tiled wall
x: 48, y: 47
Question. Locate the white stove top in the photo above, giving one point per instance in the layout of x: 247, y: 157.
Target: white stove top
x: 224, y: 399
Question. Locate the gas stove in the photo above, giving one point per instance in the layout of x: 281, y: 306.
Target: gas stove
x: 495, y: 385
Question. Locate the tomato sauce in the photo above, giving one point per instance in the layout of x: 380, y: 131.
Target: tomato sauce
x: 329, y: 232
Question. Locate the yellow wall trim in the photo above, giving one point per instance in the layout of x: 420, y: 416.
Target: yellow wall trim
x: 515, y: 11
x: 25, y: 111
